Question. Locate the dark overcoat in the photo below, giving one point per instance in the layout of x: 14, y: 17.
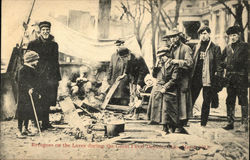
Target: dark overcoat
x: 27, y: 79
x: 161, y: 106
x: 235, y: 61
x: 47, y: 68
x: 183, y: 54
x: 117, y: 67
x: 135, y: 68
x: 215, y: 61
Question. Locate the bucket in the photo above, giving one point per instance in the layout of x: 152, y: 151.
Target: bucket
x: 113, y: 129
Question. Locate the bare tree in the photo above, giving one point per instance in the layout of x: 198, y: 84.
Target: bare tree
x: 137, y: 17
x: 239, y: 7
x: 158, y: 15
x: 177, y: 12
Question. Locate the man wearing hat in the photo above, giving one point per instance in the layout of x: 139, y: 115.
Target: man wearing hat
x: 27, y: 83
x: 182, y: 56
x: 207, y: 65
x: 130, y: 69
x: 235, y: 57
x: 47, y: 68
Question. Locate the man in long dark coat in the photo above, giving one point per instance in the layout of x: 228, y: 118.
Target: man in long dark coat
x: 183, y: 57
x: 235, y: 57
x: 130, y: 69
x: 207, y: 65
x: 27, y: 84
x: 48, y: 69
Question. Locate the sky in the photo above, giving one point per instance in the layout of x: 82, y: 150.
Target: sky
x: 15, y: 12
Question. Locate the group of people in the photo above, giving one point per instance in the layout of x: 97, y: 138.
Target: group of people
x: 180, y: 74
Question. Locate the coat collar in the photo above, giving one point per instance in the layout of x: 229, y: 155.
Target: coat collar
x: 210, y: 44
x: 51, y: 38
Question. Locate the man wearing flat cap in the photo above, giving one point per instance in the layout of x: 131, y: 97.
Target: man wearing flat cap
x: 207, y: 65
x: 47, y: 68
x: 182, y: 57
x: 129, y: 69
x: 235, y: 57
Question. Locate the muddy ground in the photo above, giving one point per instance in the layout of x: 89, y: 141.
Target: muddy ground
x: 58, y: 145
x: 139, y: 141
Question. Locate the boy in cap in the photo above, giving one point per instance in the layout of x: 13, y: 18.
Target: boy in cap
x: 235, y: 57
x: 27, y: 84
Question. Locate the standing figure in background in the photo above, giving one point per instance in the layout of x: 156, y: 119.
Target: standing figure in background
x: 235, y: 57
x: 183, y: 58
x: 207, y: 65
x: 47, y: 68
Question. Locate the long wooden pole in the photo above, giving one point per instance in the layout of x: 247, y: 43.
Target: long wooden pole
x: 34, y: 109
x: 28, y: 20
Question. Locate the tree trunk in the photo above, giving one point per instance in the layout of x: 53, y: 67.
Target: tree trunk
x: 104, y: 18
x: 177, y: 11
x: 153, y: 35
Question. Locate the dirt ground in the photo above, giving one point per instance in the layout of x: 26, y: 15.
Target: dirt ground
x: 58, y: 145
x: 139, y: 141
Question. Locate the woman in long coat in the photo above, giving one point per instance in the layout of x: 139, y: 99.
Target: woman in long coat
x: 163, y: 106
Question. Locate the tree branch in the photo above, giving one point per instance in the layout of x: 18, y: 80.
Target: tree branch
x: 228, y: 8
x: 245, y: 2
x: 168, y: 18
x: 164, y: 21
x: 146, y: 28
x: 245, y: 26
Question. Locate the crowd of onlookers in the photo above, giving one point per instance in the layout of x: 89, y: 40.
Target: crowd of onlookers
x: 174, y: 84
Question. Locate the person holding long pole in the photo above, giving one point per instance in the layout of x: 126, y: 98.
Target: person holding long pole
x: 27, y: 84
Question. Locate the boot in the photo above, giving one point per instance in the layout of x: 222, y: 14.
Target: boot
x: 230, y: 117
x: 244, y: 118
x: 229, y: 126
x: 166, y: 128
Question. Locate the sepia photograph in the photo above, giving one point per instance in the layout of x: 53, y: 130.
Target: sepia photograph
x: 125, y: 79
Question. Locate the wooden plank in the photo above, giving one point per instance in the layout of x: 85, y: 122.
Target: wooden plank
x: 85, y: 104
x: 112, y: 140
x: 70, y: 114
x: 117, y: 107
x: 110, y: 93
x: 61, y: 126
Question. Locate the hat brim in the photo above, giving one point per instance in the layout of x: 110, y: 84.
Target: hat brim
x: 161, y: 54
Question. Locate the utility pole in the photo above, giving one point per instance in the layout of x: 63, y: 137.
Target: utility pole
x: 104, y: 18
